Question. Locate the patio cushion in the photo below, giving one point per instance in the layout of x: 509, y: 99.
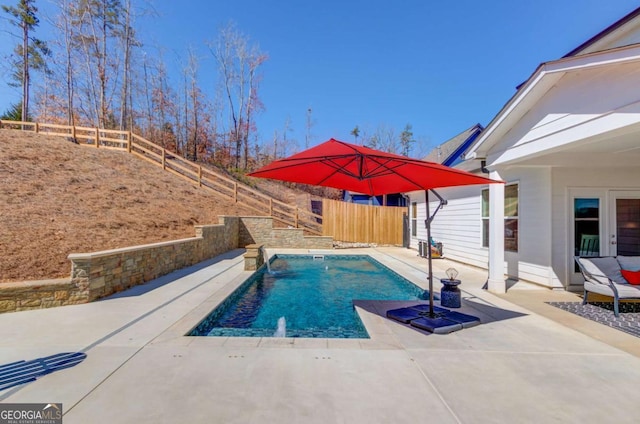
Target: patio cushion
x: 630, y: 263
x: 628, y: 291
x: 632, y: 277
x: 607, y: 266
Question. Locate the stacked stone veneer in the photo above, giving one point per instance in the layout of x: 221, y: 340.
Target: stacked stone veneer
x: 259, y: 230
x: 19, y: 296
x: 99, y: 274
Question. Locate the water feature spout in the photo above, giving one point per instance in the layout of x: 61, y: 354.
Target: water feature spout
x: 266, y: 259
x: 282, y: 328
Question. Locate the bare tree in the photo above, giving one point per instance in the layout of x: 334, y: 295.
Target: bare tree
x: 64, y: 24
x: 98, y: 25
x: 147, y: 94
x: 195, y: 112
x: 165, y: 115
x: 238, y: 67
x: 128, y: 42
x: 383, y: 138
x: 309, y: 124
x: 275, y: 144
x: 61, y: 105
x: 254, y: 104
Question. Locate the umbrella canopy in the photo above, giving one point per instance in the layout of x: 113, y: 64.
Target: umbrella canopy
x: 356, y: 168
x: 360, y: 169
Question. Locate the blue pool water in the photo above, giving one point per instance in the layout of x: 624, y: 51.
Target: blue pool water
x: 315, y: 297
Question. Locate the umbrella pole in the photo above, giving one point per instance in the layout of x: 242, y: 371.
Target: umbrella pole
x: 427, y: 223
x: 430, y: 275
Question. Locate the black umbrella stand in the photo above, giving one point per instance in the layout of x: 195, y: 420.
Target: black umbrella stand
x: 427, y: 223
x: 444, y: 320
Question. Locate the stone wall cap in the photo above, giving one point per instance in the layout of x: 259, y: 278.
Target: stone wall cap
x: 256, y: 216
x: 91, y: 255
x: 208, y: 225
x: 36, y: 283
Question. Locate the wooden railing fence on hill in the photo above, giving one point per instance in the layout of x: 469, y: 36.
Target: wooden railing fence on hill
x: 362, y: 223
x: 221, y: 185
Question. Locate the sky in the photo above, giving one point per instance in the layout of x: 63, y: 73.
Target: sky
x: 440, y: 66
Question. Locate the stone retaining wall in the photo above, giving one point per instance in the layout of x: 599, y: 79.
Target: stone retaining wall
x: 98, y: 274
x: 103, y: 273
x: 20, y: 296
x: 259, y: 230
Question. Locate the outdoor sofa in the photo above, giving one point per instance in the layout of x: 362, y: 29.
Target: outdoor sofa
x: 618, y: 277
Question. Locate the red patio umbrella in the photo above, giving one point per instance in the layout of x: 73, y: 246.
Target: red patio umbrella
x: 360, y: 169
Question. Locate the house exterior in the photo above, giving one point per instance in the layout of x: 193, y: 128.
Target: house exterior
x: 567, y: 145
x: 451, y: 152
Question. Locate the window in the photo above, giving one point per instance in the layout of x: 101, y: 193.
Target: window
x: 510, y: 218
x: 485, y: 218
x: 586, y: 218
x: 414, y: 219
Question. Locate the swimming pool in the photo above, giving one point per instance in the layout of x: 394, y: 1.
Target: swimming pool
x: 314, y: 293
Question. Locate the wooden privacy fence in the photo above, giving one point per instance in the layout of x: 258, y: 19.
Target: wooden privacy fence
x: 144, y: 149
x: 361, y: 223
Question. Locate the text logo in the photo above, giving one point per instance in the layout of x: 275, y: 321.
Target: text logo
x: 30, y: 413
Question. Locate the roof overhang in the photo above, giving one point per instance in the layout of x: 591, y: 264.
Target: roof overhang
x: 539, y: 83
x: 617, y: 30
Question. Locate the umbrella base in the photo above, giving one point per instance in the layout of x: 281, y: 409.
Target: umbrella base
x: 436, y: 325
x: 443, y: 321
x: 406, y: 315
x: 465, y: 320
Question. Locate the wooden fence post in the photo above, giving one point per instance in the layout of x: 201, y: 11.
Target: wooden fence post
x: 270, y: 206
x: 199, y: 175
x: 164, y: 159
x: 97, y: 138
x: 235, y: 192
x: 129, y: 139
x: 73, y: 132
x: 296, y: 218
x: 36, y: 127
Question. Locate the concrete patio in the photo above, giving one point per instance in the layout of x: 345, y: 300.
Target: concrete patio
x: 527, y: 362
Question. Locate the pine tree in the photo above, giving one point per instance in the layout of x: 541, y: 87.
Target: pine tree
x: 406, y: 139
x: 14, y: 113
x: 31, y: 53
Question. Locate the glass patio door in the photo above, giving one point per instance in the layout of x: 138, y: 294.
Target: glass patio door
x: 625, y: 224
x: 586, y: 218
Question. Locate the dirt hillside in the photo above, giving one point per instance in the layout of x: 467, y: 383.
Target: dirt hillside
x: 57, y: 198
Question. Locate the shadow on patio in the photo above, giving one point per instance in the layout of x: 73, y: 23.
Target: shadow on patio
x: 482, y: 309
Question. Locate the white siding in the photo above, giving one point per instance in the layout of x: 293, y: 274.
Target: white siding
x: 417, y: 196
x: 624, y: 36
x: 533, y: 260
x: 582, y: 104
x: 458, y: 225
